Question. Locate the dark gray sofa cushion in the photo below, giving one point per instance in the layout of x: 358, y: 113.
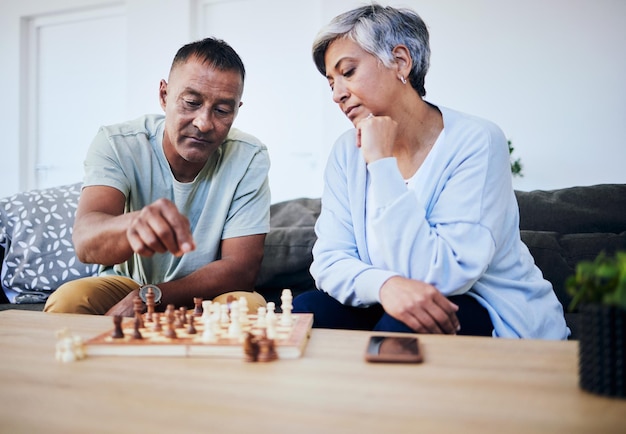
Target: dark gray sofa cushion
x: 565, y: 226
x: 288, y: 247
x: 585, y: 209
x: 556, y: 254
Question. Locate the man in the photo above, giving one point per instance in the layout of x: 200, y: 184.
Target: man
x: 180, y: 201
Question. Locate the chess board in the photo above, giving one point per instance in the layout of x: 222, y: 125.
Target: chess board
x: 290, y: 340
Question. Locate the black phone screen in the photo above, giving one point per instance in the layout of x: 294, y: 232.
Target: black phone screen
x: 393, y: 349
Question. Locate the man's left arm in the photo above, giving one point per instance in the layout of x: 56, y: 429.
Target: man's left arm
x: 236, y: 270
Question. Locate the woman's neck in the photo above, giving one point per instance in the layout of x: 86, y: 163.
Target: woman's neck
x: 419, y: 126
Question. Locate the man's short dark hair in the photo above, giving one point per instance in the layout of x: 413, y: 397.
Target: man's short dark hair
x: 214, y: 52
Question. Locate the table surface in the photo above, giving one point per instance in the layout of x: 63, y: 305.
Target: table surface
x: 464, y: 385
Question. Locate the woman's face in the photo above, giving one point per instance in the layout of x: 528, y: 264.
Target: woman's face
x: 361, y: 84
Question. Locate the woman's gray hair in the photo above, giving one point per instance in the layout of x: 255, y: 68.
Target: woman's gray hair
x: 378, y: 30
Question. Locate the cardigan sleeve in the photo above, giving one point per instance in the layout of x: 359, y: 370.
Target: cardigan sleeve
x: 341, y: 265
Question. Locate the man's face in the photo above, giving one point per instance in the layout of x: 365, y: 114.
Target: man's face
x: 200, y: 105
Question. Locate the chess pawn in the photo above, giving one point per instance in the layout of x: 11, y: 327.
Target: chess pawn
x: 243, y: 312
x: 178, y: 321
x: 271, y: 308
x: 271, y: 322
x: 206, y: 308
x: 79, y: 347
x: 224, y: 315
x: 67, y: 350
x: 261, y: 317
x: 234, y: 329
x: 191, y: 329
x: 156, y: 319
x: 118, y: 332
x: 271, y: 311
x: 209, y: 335
x: 61, y: 343
x: 170, y: 332
x: 138, y: 308
x: 198, y: 308
x: 183, y: 315
x: 136, y: 332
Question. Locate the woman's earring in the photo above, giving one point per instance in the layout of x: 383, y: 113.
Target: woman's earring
x: 402, y: 79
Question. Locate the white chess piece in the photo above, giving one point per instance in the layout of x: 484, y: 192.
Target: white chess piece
x: 60, y: 346
x: 69, y: 348
x: 224, y: 316
x: 78, y: 347
x: 271, y: 308
x: 68, y: 354
x: 234, y: 329
x: 243, y: 311
x: 209, y: 335
x: 286, y: 306
x: 271, y: 326
x: 261, y: 317
x: 206, y: 308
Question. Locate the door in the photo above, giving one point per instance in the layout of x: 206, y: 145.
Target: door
x: 76, y: 82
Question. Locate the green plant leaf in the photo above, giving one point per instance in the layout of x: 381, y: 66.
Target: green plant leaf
x: 516, y: 164
x: 602, y: 280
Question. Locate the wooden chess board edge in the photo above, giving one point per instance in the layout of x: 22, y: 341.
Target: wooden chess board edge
x: 292, y: 348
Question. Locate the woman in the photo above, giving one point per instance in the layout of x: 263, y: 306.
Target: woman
x: 419, y: 229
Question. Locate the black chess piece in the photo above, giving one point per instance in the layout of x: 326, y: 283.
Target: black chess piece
x: 118, y: 333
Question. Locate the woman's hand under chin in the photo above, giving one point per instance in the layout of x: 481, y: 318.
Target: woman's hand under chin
x: 376, y: 136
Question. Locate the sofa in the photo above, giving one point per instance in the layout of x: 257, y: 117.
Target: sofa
x: 560, y: 227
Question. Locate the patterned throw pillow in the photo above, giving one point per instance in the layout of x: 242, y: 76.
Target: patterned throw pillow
x: 36, y: 234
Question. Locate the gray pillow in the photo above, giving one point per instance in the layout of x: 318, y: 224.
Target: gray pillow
x: 36, y: 235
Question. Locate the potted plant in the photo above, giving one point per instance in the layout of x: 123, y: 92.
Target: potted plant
x: 516, y: 164
x: 598, y: 290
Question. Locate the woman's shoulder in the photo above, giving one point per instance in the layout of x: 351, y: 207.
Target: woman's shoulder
x: 462, y: 128
x: 455, y: 120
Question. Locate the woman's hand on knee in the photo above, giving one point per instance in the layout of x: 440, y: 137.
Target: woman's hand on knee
x: 419, y: 305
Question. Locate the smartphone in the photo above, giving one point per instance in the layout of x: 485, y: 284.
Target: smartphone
x: 393, y: 349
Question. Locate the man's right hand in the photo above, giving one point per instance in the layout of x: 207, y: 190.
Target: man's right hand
x: 419, y: 305
x: 159, y: 228
x: 104, y: 234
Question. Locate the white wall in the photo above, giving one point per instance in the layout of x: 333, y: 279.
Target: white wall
x: 549, y: 72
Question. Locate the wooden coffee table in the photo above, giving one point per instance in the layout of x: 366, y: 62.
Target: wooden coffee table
x: 465, y: 385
